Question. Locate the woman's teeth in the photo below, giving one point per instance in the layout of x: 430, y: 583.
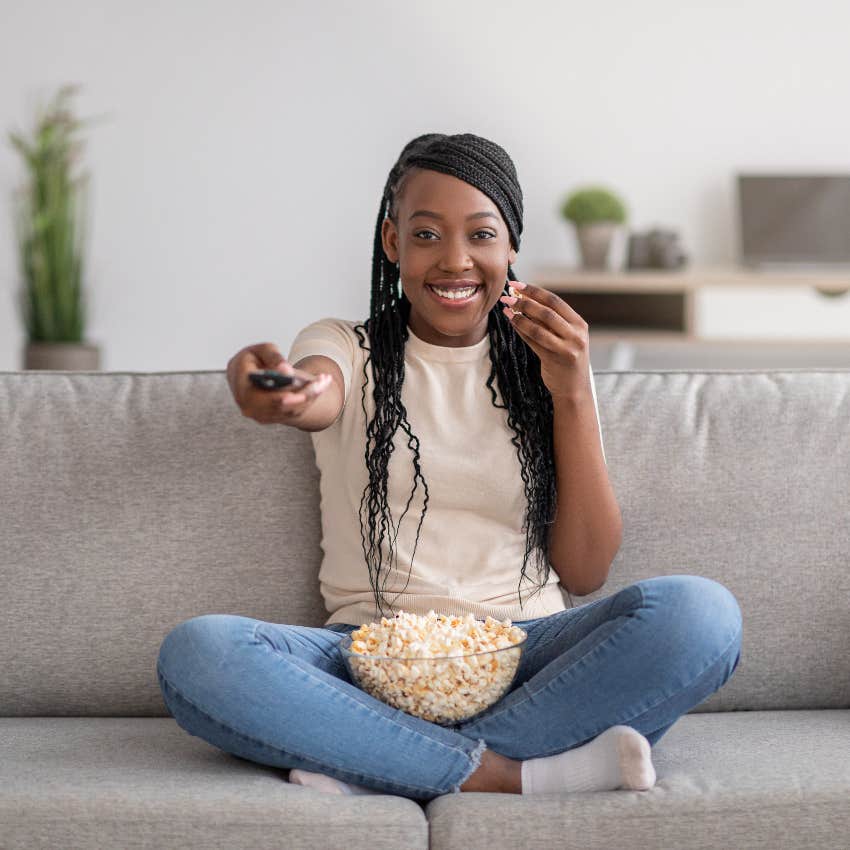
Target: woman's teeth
x: 455, y: 293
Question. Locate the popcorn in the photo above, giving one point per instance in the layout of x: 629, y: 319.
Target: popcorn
x: 515, y: 292
x: 436, y: 667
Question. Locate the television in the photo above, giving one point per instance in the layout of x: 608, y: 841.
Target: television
x: 794, y: 220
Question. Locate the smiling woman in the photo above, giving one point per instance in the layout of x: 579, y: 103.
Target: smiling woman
x: 451, y: 217
x: 510, y: 462
x: 452, y: 271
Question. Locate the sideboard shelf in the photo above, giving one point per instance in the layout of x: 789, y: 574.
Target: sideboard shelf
x: 656, y: 305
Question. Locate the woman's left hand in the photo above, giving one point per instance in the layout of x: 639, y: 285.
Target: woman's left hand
x: 556, y: 334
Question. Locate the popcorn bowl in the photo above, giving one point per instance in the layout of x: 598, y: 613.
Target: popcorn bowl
x: 445, y: 690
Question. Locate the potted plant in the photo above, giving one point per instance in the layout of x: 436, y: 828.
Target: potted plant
x: 49, y: 213
x: 596, y: 213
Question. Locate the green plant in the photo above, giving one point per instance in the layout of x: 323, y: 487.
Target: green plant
x: 49, y: 214
x: 593, y: 204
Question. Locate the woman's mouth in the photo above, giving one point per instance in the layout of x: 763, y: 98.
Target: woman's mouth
x: 455, y: 297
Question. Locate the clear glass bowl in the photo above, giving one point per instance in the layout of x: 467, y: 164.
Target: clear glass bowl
x: 447, y: 690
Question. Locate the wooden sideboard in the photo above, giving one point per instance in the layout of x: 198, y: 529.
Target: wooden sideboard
x: 657, y: 305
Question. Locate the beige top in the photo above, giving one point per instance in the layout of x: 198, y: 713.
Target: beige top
x: 471, y: 543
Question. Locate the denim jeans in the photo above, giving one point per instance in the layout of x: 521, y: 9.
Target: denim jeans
x: 280, y: 695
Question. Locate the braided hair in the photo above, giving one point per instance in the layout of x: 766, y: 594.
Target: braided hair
x: 514, y: 365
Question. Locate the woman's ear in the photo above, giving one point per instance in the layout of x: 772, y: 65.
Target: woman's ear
x: 511, y: 257
x: 389, y: 238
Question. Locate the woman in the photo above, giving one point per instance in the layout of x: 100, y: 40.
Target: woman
x: 493, y: 410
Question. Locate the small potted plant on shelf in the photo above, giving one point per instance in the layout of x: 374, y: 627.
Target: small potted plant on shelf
x: 596, y: 213
x: 49, y: 218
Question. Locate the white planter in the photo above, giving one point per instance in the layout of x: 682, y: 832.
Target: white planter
x: 64, y: 356
x: 594, y: 241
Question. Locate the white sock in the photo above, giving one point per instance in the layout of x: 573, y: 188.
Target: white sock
x: 618, y: 758
x: 328, y: 784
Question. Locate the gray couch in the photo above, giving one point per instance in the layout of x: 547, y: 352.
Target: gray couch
x: 132, y: 501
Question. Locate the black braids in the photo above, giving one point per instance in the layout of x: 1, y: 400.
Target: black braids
x: 412, y: 443
x: 533, y: 465
x: 515, y: 368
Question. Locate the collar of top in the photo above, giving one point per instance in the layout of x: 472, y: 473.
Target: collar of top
x: 444, y: 353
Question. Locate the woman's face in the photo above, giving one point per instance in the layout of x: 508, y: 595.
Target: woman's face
x: 466, y: 239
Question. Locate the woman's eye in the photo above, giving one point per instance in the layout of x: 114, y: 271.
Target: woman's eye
x: 430, y: 233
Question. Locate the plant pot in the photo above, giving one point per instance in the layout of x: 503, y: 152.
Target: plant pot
x: 594, y: 241
x: 64, y: 356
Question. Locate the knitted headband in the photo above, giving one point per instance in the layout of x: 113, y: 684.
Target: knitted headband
x: 473, y: 159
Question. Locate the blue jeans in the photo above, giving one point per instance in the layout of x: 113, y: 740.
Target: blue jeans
x: 280, y: 695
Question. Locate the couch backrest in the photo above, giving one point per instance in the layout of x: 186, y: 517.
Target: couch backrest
x: 132, y: 501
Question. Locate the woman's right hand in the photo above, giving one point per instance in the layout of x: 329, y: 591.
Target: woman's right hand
x: 281, y: 406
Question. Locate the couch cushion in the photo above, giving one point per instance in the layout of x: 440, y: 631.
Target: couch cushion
x: 133, y: 501
x: 80, y: 782
x: 761, y: 780
x: 741, y: 476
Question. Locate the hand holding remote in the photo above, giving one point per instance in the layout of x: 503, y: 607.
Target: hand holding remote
x: 263, y: 402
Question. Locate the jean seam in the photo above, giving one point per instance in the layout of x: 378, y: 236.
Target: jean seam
x: 378, y: 779
x: 582, y: 614
x: 475, y: 757
x: 377, y: 714
x: 319, y: 765
x: 573, y: 622
x: 654, y: 705
x: 698, y: 676
x: 517, y: 705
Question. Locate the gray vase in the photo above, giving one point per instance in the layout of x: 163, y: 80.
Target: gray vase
x: 62, y: 356
x: 594, y: 241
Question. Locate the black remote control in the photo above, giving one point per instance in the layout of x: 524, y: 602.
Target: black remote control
x: 271, y: 379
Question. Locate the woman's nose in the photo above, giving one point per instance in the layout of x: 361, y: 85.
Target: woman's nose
x: 455, y: 257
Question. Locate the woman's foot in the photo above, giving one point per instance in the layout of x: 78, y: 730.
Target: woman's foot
x: 618, y: 758
x: 328, y: 784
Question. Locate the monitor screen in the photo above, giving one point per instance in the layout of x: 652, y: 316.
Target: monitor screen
x: 794, y: 219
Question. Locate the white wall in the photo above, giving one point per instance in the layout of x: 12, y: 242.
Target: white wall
x: 237, y: 179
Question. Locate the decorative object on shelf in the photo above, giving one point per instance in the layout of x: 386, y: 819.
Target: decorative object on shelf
x: 596, y: 213
x: 49, y: 215
x: 830, y: 292
x: 655, y: 249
